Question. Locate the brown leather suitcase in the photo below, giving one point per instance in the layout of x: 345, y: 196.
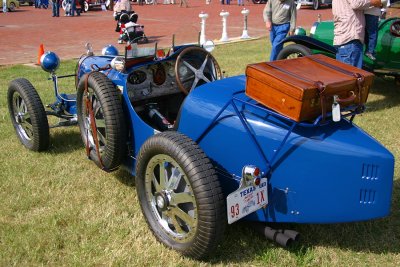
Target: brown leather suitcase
x: 304, y: 88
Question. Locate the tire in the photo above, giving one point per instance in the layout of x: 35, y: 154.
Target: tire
x: 258, y: 1
x: 12, y: 7
x: 294, y: 51
x: 64, y: 4
x: 315, y: 4
x: 109, y: 118
x: 193, y: 226
x: 28, y: 115
x: 85, y: 6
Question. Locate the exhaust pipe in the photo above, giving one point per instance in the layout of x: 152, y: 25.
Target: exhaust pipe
x: 283, y: 237
x: 290, y: 233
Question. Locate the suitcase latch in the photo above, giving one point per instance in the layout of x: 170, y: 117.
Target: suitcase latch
x: 335, y: 109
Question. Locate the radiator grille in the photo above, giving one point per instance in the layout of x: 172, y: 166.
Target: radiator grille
x: 367, y: 196
x: 370, y: 172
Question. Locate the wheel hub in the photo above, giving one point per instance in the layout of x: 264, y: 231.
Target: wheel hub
x: 162, y: 200
x: 19, y: 118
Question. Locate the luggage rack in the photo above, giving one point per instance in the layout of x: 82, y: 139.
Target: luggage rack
x: 350, y: 111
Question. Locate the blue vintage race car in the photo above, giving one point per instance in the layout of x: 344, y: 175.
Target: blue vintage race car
x: 204, y: 153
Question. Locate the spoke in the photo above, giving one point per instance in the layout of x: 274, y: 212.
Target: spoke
x: 189, y: 66
x: 204, y: 78
x: 156, y: 184
x: 186, y: 218
x: 26, y: 116
x: 188, y: 78
x: 100, y: 123
x: 204, y: 64
x: 177, y: 226
x: 28, y: 129
x: 162, y: 175
x: 196, y: 80
x: 101, y: 137
x: 174, y: 179
x: 97, y: 109
x: 179, y: 198
x: 19, y: 104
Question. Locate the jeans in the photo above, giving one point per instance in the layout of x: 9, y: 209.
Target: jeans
x: 56, y: 9
x: 277, y: 34
x: 371, y: 33
x: 73, y: 8
x: 351, y: 53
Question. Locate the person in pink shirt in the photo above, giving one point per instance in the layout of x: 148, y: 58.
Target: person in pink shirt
x: 349, y: 29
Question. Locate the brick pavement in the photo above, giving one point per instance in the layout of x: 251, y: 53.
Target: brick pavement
x: 22, y: 32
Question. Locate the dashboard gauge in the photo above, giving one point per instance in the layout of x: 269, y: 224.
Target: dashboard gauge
x: 137, y: 77
x: 159, y: 75
x: 183, y: 70
x: 171, y: 71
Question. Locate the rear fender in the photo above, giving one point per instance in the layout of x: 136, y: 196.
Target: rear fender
x: 311, y: 43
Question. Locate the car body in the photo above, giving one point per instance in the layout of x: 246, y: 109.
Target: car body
x: 89, y: 4
x: 29, y: 2
x: 394, y: 3
x: 12, y: 5
x: 316, y: 4
x: 202, y: 151
x: 320, y: 40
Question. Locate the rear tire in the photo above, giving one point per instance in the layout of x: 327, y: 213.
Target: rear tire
x: 85, y: 6
x: 12, y: 7
x: 109, y: 118
x: 180, y: 194
x: 315, y: 4
x: 28, y: 115
x: 294, y: 51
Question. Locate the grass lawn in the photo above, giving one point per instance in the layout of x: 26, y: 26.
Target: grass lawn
x: 58, y: 209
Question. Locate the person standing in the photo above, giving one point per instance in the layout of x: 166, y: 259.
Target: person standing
x: 372, y: 15
x: 82, y: 4
x: 73, y: 8
x: 349, y: 29
x: 183, y: 2
x: 280, y: 20
x: 5, y: 6
x: 56, y: 8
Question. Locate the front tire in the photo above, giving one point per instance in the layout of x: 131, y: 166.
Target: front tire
x: 28, y: 115
x: 111, y: 133
x: 180, y: 194
x: 294, y: 51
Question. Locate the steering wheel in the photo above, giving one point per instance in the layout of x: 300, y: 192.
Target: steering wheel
x: 195, y: 66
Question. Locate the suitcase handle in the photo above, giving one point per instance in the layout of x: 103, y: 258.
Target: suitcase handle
x: 348, y: 99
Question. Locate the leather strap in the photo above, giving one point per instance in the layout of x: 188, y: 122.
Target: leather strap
x: 360, y: 78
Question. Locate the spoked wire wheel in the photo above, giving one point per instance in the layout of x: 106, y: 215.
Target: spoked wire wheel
x: 101, y: 120
x: 28, y: 115
x: 171, y: 198
x: 180, y: 194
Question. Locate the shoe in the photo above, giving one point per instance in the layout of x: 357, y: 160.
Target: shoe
x: 370, y: 56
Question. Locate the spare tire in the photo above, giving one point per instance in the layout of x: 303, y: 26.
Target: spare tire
x: 105, y: 133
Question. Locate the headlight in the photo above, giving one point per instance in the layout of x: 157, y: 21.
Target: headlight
x: 300, y: 31
x: 209, y: 46
x: 118, y: 63
x: 49, y: 61
x: 313, y: 28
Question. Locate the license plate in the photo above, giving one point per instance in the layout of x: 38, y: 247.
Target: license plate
x: 246, y: 200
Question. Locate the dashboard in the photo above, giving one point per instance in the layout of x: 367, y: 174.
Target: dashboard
x: 153, y: 81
